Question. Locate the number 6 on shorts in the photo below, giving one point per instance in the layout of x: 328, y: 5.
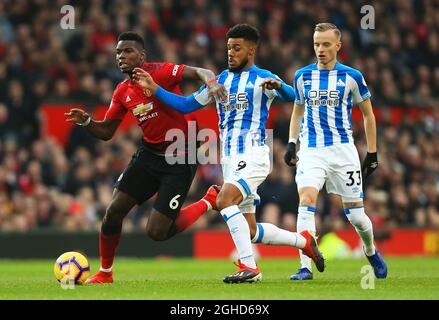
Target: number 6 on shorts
x: 173, y: 204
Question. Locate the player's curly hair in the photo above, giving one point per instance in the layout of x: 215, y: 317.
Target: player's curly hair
x: 132, y: 36
x: 244, y: 31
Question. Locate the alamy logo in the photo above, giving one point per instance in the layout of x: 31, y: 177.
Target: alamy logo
x: 368, y: 280
x: 193, y: 146
x: 368, y: 20
x: 68, y: 18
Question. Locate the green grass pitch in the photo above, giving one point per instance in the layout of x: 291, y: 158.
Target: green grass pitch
x: 190, y: 279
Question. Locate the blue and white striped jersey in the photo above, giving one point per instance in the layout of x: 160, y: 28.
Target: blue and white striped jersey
x: 242, y: 121
x: 328, y: 97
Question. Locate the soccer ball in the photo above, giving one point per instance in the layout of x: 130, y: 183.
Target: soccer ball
x: 72, y: 265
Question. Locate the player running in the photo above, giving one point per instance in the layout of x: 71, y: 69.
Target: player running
x: 245, y: 156
x: 325, y: 93
x: 148, y: 172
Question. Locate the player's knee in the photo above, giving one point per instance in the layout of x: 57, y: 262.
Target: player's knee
x: 113, y: 215
x: 360, y: 221
x: 223, y: 202
x: 227, y: 199
x: 308, y: 200
x: 157, y: 234
x: 357, y: 217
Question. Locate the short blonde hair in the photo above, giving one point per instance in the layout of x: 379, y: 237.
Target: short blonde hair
x: 324, y: 26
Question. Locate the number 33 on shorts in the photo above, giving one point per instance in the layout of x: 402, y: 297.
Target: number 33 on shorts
x: 354, y: 177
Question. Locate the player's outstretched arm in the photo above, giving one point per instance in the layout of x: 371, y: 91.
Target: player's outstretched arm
x: 216, y: 90
x: 284, y: 91
x: 296, y: 119
x: 371, y: 161
x: 103, y: 130
x: 181, y: 104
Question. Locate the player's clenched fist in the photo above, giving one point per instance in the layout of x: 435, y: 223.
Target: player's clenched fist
x: 270, y: 84
x: 290, y: 155
x: 78, y: 116
x: 370, y: 164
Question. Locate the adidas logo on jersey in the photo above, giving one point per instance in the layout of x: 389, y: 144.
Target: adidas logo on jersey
x: 250, y: 85
x: 128, y: 99
x: 307, y: 83
x: 340, y: 83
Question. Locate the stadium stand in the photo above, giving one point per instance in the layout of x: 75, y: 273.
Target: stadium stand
x: 66, y: 184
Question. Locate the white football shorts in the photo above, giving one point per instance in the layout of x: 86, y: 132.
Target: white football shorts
x: 247, y: 171
x: 338, y: 165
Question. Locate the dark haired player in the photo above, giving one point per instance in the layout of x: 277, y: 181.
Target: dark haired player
x: 245, y: 155
x: 148, y: 172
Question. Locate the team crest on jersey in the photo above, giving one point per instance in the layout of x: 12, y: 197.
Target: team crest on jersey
x: 142, y: 108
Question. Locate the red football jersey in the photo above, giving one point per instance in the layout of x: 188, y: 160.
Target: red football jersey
x: 153, y: 117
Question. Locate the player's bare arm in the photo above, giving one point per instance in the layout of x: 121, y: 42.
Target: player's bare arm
x: 296, y: 119
x: 103, y: 130
x: 369, y: 125
x: 216, y: 90
x: 371, y: 161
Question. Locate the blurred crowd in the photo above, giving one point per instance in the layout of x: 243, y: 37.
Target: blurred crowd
x: 43, y: 184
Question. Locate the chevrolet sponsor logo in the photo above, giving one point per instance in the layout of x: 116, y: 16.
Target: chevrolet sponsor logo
x: 142, y: 108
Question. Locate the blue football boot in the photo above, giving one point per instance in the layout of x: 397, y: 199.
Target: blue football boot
x: 378, y: 264
x: 302, y: 274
